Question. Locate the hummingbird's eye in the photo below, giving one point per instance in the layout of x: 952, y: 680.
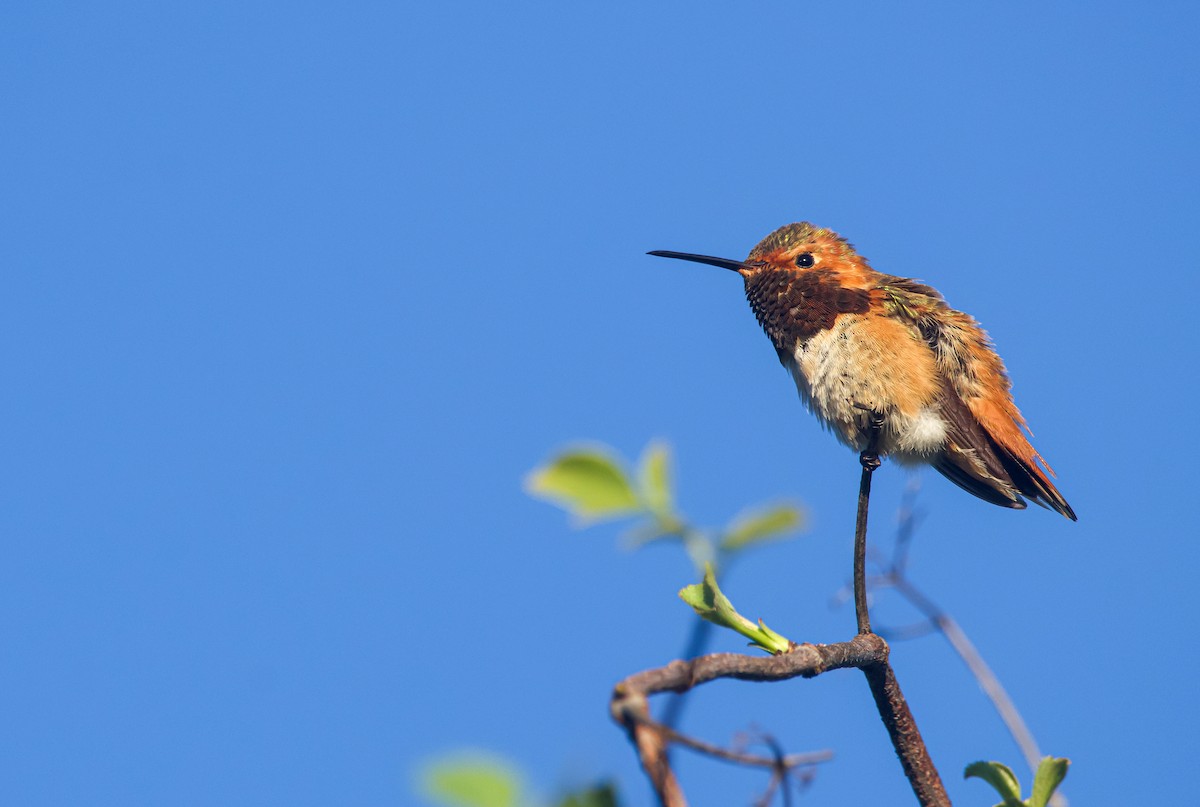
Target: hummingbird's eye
x: 805, y: 260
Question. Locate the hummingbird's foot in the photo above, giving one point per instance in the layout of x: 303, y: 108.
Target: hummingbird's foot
x: 869, y: 458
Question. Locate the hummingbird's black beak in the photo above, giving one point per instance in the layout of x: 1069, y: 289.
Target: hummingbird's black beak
x: 724, y: 263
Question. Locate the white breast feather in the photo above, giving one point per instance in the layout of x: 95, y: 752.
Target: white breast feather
x: 841, y: 400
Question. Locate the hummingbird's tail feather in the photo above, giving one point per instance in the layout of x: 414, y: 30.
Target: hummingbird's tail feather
x: 989, y: 469
x: 1032, y: 482
x: 971, y: 459
x: 970, y: 482
x: 996, y: 433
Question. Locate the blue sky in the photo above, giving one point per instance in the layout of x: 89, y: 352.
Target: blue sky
x: 295, y: 295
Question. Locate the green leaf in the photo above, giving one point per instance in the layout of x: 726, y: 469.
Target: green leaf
x: 773, y: 638
x: 654, y: 475
x: 601, y: 795
x: 999, y: 776
x: 1049, y: 776
x: 589, y: 483
x: 708, y: 601
x: 473, y: 780
x: 762, y: 525
x: 646, y: 532
x: 656, y: 529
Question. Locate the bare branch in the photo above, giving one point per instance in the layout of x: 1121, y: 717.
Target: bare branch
x: 652, y: 751
x: 870, y: 461
x: 906, y: 738
x: 937, y: 620
x: 630, y: 708
x: 988, y: 682
x: 889, y: 701
x: 867, y: 652
x: 807, y: 660
x: 697, y: 643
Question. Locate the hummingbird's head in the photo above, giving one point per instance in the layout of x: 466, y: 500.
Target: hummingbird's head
x: 801, y: 246
x: 792, y: 248
x: 799, y: 280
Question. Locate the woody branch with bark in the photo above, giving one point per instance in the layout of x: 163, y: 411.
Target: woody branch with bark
x: 594, y: 485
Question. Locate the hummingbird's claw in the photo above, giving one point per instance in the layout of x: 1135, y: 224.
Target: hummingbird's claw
x: 870, y: 457
x: 869, y: 461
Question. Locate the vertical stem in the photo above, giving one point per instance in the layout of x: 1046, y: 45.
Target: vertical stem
x: 652, y: 750
x: 893, y: 709
x: 870, y: 461
x: 906, y: 738
x: 697, y: 642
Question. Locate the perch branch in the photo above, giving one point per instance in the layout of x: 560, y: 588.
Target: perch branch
x: 868, y: 652
x: 870, y: 461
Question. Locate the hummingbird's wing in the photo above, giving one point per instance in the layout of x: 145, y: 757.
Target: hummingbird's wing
x: 987, y: 451
x: 971, y: 459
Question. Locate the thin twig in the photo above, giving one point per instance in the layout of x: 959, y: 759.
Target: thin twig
x: 938, y: 620
x: 889, y: 700
x: 806, y: 660
x: 906, y: 633
x: 738, y: 757
x: 988, y: 682
x: 867, y: 652
x: 652, y: 751
x: 696, y: 645
x: 907, y: 526
x: 906, y: 737
x: 779, y: 775
x: 630, y: 708
x: 870, y: 461
x: 777, y: 778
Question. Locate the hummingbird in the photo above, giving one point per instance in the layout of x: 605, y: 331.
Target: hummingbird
x: 863, y: 346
